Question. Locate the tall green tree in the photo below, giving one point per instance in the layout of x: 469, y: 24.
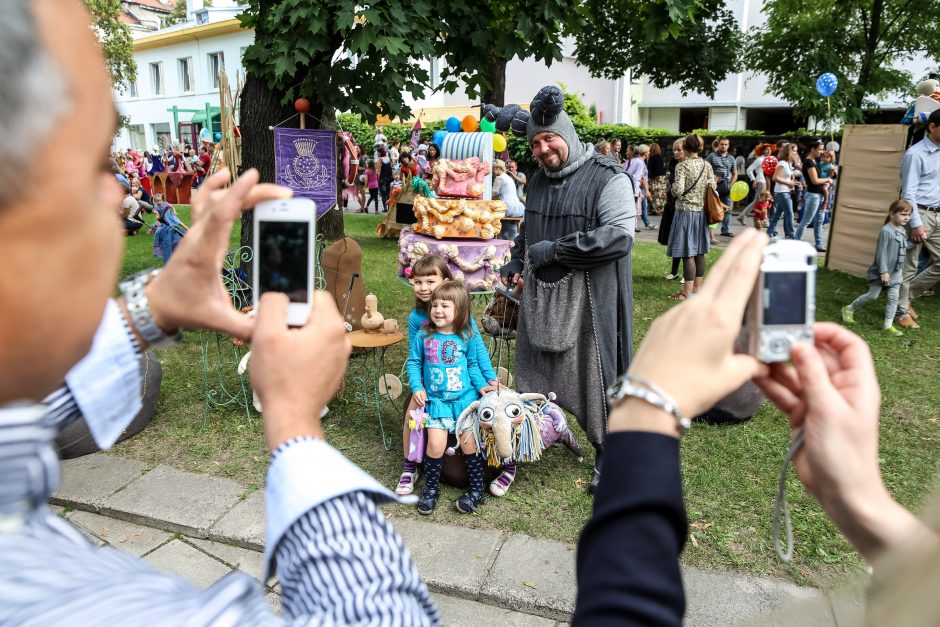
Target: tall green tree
x: 477, y: 39
x: 689, y: 44
x: 115, y: 39
x: 865, y: 43
x: 339, y: 54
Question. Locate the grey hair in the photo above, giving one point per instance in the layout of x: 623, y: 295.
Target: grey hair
x: 33, y: 95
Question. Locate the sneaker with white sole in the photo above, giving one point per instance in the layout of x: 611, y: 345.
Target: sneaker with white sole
x: 848, y: 315
x: 500, y: 485
x: 406, y: 483
x: 894, y: 331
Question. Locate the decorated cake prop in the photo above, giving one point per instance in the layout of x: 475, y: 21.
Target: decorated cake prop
x: 510, y: 427
x: 458, y: 217
x: 460, y: 179
x: 475, y: 262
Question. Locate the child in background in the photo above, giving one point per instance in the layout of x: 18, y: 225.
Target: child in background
x: 827, y: 169
x: 372, y: 184
x: 761, y: 209
x: 426, y: 274
x: 888, y: 266
x: 445, y: 378
x: 169, y: 229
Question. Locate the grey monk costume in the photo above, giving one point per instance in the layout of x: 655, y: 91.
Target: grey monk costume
x: 576, y: 326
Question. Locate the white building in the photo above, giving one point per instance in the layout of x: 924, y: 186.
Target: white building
x: 178, y: 67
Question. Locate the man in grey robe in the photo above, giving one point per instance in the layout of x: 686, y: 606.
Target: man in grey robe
x: 575, y: 333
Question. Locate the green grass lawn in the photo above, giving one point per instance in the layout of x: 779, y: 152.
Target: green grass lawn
x: 730, y: 472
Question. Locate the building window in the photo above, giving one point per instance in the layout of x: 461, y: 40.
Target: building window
x: 161, y: 134
x: 186, y: 74
x: 216, y: 67
x: 156, y: 78
x: 132, y: 89
x: 136, y: 135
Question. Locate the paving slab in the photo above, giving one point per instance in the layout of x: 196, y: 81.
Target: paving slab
x: 188, y: 562
x: 132, y: 538
x: 848, y: 605
x: 174, y: 499
x: 250, y: 562
x: 442, y: 556
x: 533, y: 575
x: 274, y: 600
x: 244, y: 525
x: 88, y: 481
x: 457, y: 612
x: 714, y: 598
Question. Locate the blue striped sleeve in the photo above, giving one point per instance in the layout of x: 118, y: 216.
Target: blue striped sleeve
x: 343, y: 563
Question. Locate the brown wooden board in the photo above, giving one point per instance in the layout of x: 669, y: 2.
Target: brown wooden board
x: 869, y: 181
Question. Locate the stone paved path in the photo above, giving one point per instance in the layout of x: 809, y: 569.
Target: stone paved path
x: 204, y: 527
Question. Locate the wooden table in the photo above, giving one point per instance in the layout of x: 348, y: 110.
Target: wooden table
x: 374, y: 345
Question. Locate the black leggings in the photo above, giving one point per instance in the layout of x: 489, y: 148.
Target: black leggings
x: 385, y: 186
x: 373, y: 195
x: 693, y: 267
x: 675, y: 265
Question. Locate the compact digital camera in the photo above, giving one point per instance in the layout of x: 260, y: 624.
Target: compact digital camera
x: 782, y: 308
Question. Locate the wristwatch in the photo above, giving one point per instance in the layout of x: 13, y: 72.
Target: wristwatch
x: 135, y: 299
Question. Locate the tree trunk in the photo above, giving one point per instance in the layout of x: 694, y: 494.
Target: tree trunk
x: 262, y: 108
x: 331, y: 224
x: 496, y: 75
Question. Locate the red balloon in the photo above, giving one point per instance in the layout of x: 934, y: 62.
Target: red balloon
x: 769, y: 165
x: 302, y: 105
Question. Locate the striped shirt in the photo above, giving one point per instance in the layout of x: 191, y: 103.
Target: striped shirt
x: 338, y: 560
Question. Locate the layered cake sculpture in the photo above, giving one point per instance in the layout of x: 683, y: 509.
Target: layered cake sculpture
x: 460, y: 225
x: 473, y: 261
x: 458, y: 217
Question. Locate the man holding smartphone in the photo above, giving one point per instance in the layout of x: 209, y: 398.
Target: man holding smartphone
x: 66, y: 341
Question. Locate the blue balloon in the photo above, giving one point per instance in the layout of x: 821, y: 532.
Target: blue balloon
x: 826, y: 84
x: 438, y: 137
x: 452, y: 125
x: 218, y: 137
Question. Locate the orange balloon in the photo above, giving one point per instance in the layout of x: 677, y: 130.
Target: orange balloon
x: 469, y: 124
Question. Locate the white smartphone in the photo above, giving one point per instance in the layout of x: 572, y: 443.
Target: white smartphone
x: 284, y: 235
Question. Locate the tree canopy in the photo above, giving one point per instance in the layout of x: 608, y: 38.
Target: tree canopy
x: 340, y: 54
x: 865, y: 43
x: 691, y: 44
x: 115, y: 39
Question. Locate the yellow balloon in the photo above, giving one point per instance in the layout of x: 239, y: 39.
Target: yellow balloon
x: 499, y: 142
x: 739, y: 191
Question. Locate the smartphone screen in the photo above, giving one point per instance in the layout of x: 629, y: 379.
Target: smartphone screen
x: 785, y: 297
x: 283, y: 255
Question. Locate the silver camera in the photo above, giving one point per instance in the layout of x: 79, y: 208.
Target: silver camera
x: 782, y: 308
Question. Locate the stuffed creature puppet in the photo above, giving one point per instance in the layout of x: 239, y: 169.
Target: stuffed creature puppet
x: 511, y: 427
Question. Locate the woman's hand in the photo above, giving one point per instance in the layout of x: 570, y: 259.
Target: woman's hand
x: 689, y: 351
x: 832, y: 392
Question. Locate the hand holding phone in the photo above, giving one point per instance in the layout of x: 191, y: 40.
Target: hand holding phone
x: 284, y: 235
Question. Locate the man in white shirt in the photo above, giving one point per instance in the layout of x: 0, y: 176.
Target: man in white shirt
x: 512, y: 169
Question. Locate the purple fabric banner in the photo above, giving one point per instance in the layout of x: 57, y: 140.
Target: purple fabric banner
x: 305, y: 161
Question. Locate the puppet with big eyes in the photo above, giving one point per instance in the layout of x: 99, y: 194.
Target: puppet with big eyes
x: 510, y: 427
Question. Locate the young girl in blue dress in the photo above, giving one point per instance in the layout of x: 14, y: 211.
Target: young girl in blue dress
x: 445, y: 378
x: 426, y: 274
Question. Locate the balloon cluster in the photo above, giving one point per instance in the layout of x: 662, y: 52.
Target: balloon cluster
x: 826, y: 84
x: 470, y: 124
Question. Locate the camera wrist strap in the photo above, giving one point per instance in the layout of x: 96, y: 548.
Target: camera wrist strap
x: 780, y: 504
